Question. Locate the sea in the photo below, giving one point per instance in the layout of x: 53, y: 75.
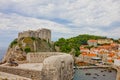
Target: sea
x: 95, y: 74
x: 2, y: 52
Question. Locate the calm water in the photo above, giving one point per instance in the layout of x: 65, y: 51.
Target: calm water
x: 95, y: 74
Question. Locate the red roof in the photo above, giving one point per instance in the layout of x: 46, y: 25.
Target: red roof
x: 92, y: 40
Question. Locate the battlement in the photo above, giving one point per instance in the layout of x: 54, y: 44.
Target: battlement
x: 40, y: 33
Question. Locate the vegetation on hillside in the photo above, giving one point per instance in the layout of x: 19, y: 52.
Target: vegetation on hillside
x: 20, y: 47
x: 32, y: 44
x: 66, y: 45
x: 71, y: 45
x: 14, y: 42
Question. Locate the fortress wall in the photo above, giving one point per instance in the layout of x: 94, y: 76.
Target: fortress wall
x: 32, y: 74
x: 45, y: 34
x: 39, y: 57
x: 118, y: 72
x: 58, y: 67
x: 25, y: 34
x: 42, y: 33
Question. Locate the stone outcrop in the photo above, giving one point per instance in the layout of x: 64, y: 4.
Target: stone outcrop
x: 19, y: 48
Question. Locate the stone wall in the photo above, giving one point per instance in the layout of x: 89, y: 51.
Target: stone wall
x: 41, y: 33
x: 56, y: 66
x: 118, y: 71
x: 38, y: 57
x: 44, y: 34
x: 28, y: 33
x: 32, y: 74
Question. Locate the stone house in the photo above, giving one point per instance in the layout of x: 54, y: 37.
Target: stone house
x: 117, y: 62
x: 92, y: 43
x: 105, y: 41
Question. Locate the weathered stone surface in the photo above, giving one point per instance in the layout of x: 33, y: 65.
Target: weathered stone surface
x: 56, y: 66
x: 41, y: 33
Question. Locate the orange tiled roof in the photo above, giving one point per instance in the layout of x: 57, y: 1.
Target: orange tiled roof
x: 111, y: 55
x: 84, y: 49
x: 92, y: 40
x: 105, y: 47
x: 82, y: 46
x: 118, y: 58
x: 113, y: 44
x: 110, y: 60
x: 101, y: 53
x: 84, y: 53
x: 91, y: 55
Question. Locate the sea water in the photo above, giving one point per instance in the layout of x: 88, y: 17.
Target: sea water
x: 95, y: 74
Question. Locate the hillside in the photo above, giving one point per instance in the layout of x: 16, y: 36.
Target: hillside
x: 72, y: 45
x: 19, y: 48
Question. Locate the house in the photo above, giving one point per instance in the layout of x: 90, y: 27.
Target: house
x: 117, y: 62
x: 92, y: 43
x: 105, y: 41
x: 84, y: 50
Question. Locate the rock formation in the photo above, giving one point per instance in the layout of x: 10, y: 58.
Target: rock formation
x: 22, y: 45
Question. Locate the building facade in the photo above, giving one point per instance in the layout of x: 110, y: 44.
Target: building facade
x: 105, y: 41
x: 92, y: 43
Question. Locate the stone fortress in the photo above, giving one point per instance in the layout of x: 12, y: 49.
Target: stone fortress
x: 40, y: 33
x: 44, y: 66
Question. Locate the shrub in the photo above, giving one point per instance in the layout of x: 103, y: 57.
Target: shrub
x: 28, y: 40
x: 33, y: 38
x: 13, y: 43
x: 27, y: 49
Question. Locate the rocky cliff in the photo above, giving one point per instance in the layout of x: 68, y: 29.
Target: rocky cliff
x: 20, y: 47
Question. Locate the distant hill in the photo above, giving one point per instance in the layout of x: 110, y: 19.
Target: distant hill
x: 72, y: 45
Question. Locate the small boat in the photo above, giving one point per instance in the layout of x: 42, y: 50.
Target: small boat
x: 87, y: 73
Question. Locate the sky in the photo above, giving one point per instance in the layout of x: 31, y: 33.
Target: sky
x: 65, y: 18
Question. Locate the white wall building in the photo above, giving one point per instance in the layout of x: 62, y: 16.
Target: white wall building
x: 117, y: 62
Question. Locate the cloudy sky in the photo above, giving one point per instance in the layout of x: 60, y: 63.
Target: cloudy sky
x: 66, y: 18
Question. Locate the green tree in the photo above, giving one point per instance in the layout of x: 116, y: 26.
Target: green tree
x: 14, y: 42
x: 75, y: 42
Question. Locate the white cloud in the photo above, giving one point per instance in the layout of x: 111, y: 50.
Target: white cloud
x: 20, y: 23
x: 115, y: 32
x: 80, y: 12
x: 89, y: 12
x: 87, y: 16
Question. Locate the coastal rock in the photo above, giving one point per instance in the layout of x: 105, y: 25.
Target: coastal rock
x: 19, y: 48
